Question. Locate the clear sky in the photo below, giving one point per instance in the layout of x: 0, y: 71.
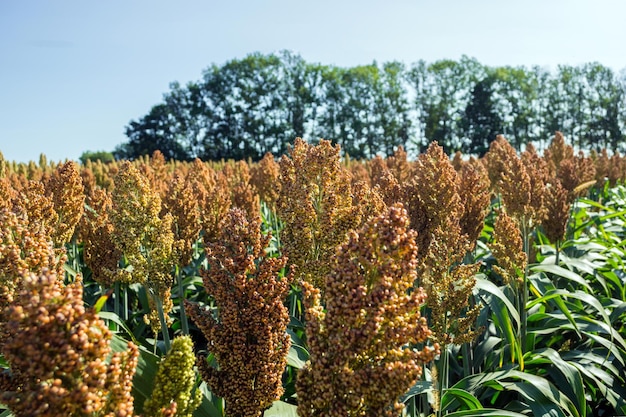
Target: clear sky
x: 73, y: 73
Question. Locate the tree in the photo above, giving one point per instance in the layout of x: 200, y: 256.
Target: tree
x: 393, y: 108
x: 261, y: 103
x: 515, y: 99
x: 301, y: 89
x: 603, y: 100
x: 102, y: 156
x: 155, y: 131
x: 442, y: 93
x: 480, y: 122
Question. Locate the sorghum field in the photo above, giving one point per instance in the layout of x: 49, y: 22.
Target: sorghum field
x: 316, y: 285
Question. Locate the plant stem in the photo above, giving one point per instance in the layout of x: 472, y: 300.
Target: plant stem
x: 524, y: 286
x: 274, y: 220
x: 116, y: 301
x: 443, y: 378
x: 557, y: 245
x: 444, y: 369
x: 181, y: 299
x: 164, y: 329
x: 468, y: 365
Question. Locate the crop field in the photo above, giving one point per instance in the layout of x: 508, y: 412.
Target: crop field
x: 315, y: 285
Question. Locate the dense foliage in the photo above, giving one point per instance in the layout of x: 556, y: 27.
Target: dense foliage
x: 316, y: 285
x: 247, y: 107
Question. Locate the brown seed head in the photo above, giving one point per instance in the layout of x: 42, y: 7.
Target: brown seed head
x: 265, y: 179
x: 558, y: 210
x: 507, y: 247
x: 58, y: 358
x: 65, y: 190
x: 359, y: 363
x: 246, y: 333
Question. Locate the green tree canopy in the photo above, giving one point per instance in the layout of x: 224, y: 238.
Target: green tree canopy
x: 261, y: 103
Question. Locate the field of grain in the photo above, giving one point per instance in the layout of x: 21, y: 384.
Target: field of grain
x: 313, y: 285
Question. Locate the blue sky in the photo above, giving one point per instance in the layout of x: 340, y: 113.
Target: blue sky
x: 73, y: 73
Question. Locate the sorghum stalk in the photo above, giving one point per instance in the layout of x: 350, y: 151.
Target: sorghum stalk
x: 361, y: 344
x: 147, y: 242
x: 508, y: 247
x: 247, y: 335
x: 316, y: 206
x: 58, y: 358
x: 181, y: 296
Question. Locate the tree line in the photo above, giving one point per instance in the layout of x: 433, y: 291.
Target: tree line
x: 247, y: 107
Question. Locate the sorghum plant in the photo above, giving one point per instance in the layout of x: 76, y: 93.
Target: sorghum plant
x: 557, y: 152
x: 213, y: 196
x: 247, y: 332
x: 508, y: 249
x: 573, y: 171
x: 435, y: 210
x: 145, y: 240
x: 265, y: 179
x: 557, y: 213
x: 57, y: 353
x: 24, y: 248
x: 155, y: 169
x: 65, y: 190
x: 101, y: 255
x: 180, y: 202
x: 173, y: 393
x: 243, y: 193
x: 38, y: 208
x: 362, y: 345
x: 399, y: 165
x: 385, y: 181
x: 510, y: 179
x: 475, y: 197
x: 316, y: 206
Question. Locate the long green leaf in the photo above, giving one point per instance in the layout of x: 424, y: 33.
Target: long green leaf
x: 110, y: 316
x: 562, y: 272
x: 571, y: 381
x: 542, y: 396
x: 490, y: 412
x: 556, y: 296
x: 491, y: 289
x: 453, y: 397
x: 503, y: 311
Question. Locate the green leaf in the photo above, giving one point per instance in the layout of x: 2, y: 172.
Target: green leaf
x: 555, y: 295
x: 572, y: 382
x: 110, y: 316
x: 281, y: 409
x: 490, y: 412
x: 562, y: 272
x: 541, y: 395
x: 102, y: 301
x: 297, y: 356
x: 420, y: 387
x: 503, y: 310
x: 491, y: 289
x: 454, y: 398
